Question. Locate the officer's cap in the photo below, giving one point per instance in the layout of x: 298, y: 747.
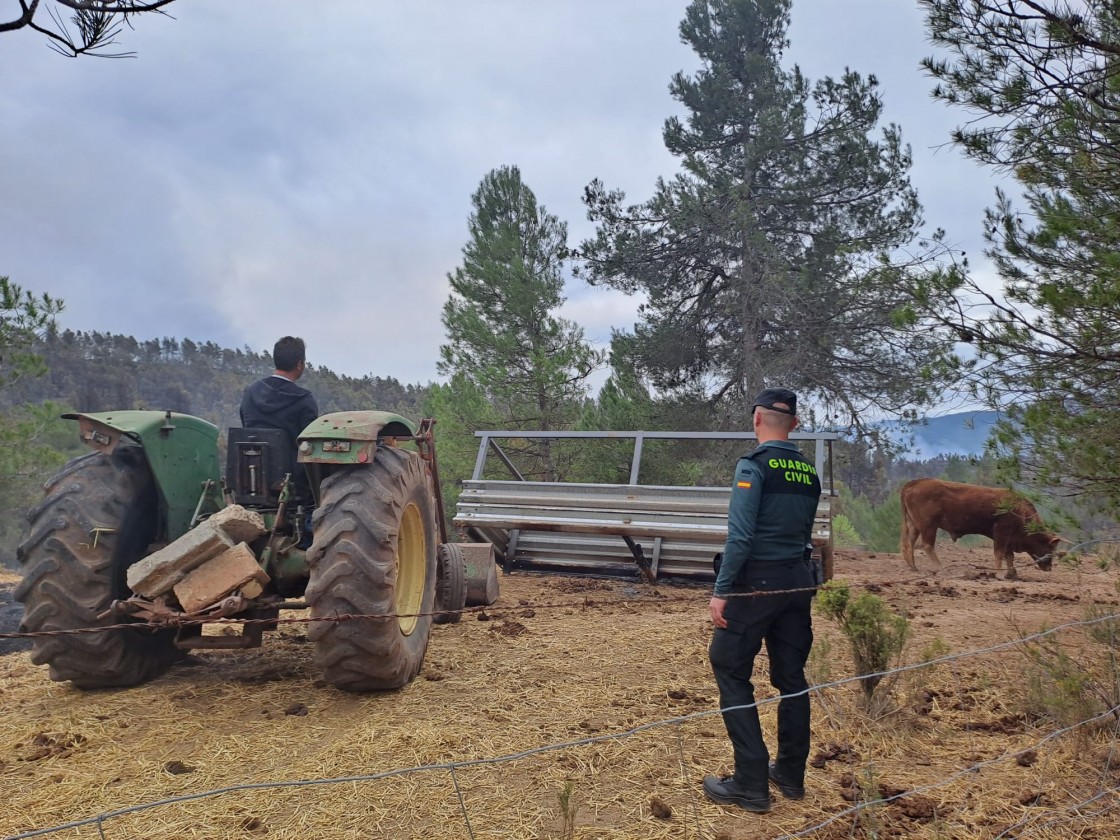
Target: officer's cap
x: 767, y: 398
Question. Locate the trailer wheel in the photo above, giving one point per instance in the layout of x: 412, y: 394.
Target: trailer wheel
x: 451, y: 584
x: 97, y: 519
x: 374, y: 555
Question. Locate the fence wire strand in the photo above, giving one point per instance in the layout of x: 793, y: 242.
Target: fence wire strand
x: 655, y: 597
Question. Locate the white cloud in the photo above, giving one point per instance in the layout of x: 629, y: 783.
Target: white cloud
x: 307, y: 168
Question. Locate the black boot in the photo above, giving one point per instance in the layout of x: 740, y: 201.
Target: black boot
x: 728, y: 791
x: 788, y: 790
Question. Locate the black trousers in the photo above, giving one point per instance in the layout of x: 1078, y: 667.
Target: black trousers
x: 784, y: 622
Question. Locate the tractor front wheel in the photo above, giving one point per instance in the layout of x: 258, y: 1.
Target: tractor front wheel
x: 373, y: 558
x: 97, y: 519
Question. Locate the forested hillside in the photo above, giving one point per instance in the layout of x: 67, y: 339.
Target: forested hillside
x: 93, y: 371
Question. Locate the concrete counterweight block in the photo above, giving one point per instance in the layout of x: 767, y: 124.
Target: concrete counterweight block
x: 239, y: 524
x: 160, y: 571
x: 235, y: 569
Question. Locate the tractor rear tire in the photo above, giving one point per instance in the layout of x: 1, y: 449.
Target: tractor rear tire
x: 98, y: 518
x: 451, y: 584
x: 374, y: 556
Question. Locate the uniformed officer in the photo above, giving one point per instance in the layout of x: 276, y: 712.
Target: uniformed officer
x: 769, y: 532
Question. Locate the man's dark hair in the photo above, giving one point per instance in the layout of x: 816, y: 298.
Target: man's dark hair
x: 288, y: 353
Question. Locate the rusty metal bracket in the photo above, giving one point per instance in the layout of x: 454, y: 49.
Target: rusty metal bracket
x: 160, y: 612
x: 426, y: 442
x: 152, y: 612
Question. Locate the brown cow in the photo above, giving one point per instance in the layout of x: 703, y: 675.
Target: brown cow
x: 1010, y: 520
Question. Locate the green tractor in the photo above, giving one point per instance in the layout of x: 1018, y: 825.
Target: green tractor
x: 354, y: 532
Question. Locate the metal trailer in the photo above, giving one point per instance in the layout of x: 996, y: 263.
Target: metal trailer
x: 606, y: 529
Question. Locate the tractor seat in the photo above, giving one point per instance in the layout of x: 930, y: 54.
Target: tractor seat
x: 256, y: 463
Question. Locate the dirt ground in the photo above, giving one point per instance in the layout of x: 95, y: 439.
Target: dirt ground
x: 578, y: 708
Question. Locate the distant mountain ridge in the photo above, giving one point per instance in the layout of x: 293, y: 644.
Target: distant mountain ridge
x: 961, y: 433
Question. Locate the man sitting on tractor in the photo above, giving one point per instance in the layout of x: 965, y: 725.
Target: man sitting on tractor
x: 277, y: 402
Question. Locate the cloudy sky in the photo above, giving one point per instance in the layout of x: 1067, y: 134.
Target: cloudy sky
x: 264, y: 168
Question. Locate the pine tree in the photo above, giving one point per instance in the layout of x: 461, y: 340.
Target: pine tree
x: 24, y: 319
x: 1040, y: 81
x: 503, y: 335
x: 25, y: 458
x: 771, y: 258
x: 79, y: 27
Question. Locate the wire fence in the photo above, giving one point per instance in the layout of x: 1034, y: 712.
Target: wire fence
x: 1103, y: 800
x: 696, y: 592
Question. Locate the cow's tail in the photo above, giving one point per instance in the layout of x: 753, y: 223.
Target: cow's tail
x: 907, y: 538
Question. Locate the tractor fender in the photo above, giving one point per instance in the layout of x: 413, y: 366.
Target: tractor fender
x: 181, y: 451
x: 350, y: 437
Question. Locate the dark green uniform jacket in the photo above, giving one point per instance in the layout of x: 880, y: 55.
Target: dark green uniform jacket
x: 770, y: 518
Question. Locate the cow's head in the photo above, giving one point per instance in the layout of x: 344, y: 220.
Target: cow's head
x: 1044, y: 551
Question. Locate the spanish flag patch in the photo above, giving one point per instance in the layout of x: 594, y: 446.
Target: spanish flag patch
x: 746, y: 485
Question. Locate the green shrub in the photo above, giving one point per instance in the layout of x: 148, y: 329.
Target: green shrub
x: 1070, y: 683
x: 876, y: 633
x: 936, y: 649
x: 843, y: 533
x: 819, y: 665
x: 1059, y: 686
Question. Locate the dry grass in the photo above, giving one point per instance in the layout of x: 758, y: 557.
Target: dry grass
x: 614, y: 657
